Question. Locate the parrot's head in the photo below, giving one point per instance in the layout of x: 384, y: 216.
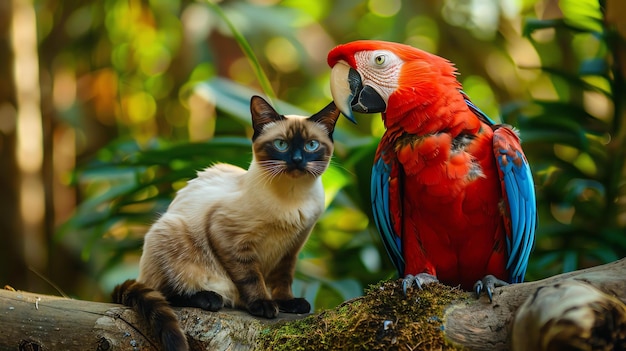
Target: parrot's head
x: 370, y: 76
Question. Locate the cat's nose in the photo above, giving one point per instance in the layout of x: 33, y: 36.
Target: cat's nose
x: 296, y: 157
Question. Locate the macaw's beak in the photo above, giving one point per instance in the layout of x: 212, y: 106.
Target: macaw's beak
x: 349, y: 93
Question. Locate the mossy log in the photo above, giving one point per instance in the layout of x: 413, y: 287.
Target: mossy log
x: 582, y: 310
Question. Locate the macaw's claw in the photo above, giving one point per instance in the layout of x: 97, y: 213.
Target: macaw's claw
x: 418, y: 280
x: 488, y: 284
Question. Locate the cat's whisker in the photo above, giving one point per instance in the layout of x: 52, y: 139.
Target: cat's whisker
x: 272, y: 169
x: 339, y: 165
x: 262, y: 179
x: 258, y: 180
x: 275, y: 171
x: 316, y: 168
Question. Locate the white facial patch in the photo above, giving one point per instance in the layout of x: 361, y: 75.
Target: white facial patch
x: 379, y: 69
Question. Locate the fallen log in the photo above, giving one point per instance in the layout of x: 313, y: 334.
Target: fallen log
x: 487, y: 326
x: 438, y: 317
x: 32, y: 321
x: 570, y: 315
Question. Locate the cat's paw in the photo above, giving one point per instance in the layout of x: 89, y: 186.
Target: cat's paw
x: 297, y: 305
x: 209, y: 300
x: 263, y: 308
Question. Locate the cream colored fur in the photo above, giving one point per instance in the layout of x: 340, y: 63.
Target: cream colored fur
x: 226, y: 202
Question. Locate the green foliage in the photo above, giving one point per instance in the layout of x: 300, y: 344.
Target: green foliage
x: 148, y: 73
x: 245, y: 47
x: 129, y: 184
x: 576, y: 144
x: 133, y: 179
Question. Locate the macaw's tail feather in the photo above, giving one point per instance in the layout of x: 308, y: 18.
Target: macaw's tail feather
x: 152, y: 306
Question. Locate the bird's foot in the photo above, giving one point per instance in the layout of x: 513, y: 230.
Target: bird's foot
x: 418, y: 280
x: 488, y: 284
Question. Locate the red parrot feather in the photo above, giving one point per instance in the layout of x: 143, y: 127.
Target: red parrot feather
x: 452, y: 192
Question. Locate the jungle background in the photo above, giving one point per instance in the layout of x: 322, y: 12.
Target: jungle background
x: 108, y: 107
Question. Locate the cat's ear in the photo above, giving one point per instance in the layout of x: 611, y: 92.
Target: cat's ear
x: 327, y: 117
x: 262, y: 113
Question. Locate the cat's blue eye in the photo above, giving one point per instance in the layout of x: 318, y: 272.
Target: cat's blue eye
x: 280, y: 144
x: 312, y: 145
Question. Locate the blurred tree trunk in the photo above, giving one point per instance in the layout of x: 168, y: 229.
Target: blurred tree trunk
x: 64, y: 257
x: 58, y: 262
x: 12, y: 267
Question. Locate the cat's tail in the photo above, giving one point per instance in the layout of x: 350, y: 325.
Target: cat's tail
x: 152, y: 306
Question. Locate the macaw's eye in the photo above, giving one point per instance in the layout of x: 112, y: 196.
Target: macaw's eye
x: 312, y: 145
x: 380, y: 59
x: 280, y: 144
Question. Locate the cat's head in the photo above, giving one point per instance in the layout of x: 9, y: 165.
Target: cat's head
x: 292, y: 145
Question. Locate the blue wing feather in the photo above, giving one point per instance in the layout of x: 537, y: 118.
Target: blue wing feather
x: 531, y: 213
x: 519, y: 190
x: 382, y: 214
x: 520, y: 193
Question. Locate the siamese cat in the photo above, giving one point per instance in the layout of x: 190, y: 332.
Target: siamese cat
x: 231, y: 237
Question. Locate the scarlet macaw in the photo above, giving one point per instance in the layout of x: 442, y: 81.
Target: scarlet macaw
x: 452, y: 193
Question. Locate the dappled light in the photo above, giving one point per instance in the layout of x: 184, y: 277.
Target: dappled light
x: 115, y: 104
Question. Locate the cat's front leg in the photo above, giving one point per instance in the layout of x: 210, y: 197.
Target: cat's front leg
x: 242, y: 265
x: 235, y: 250
x: 253, y: 294
x: 280, y: 280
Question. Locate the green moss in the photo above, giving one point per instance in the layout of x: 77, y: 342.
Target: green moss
x: 383, y: 319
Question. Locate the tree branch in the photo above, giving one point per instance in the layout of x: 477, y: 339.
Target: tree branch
x: 579, y: 308
x: 487, y: 326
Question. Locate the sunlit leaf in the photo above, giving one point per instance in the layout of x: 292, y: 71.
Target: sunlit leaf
x: 247, y: 50
x: 334, y: 179
x: 234, y: 99
x: 585, y: 15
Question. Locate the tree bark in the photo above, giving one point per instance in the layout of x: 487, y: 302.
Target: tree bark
x: 41, y: 322
x: 487, y: 326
